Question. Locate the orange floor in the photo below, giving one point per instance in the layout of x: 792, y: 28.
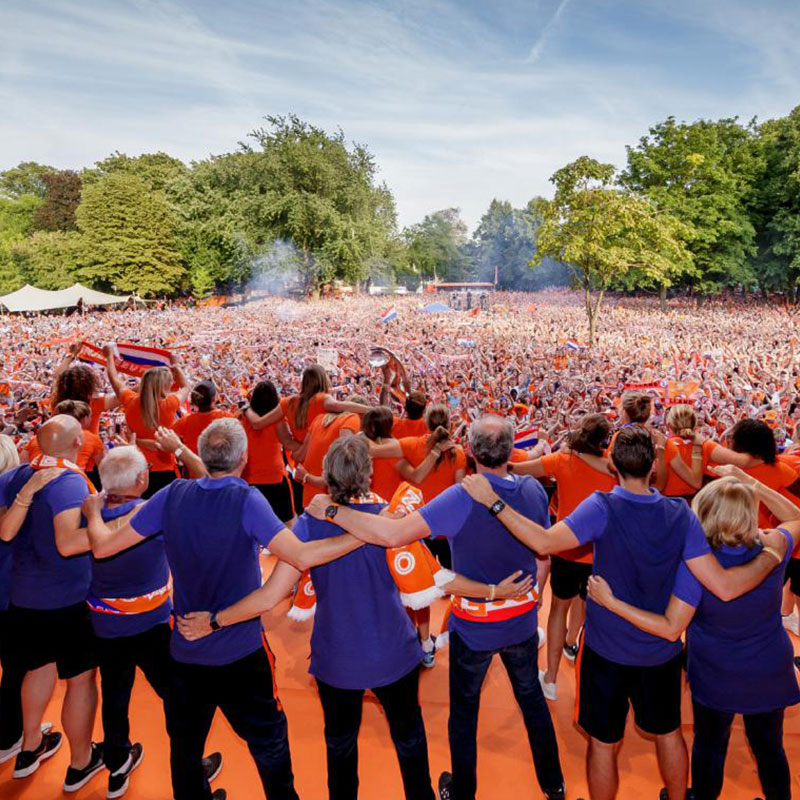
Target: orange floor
x: 504, y: 766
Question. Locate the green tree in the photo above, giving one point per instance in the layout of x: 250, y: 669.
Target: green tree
x: 16, y: 223
x: 506, y: 238
x: 25, y: 178
x: 129, y: 237
x: 603, y: 233
x: 437, y: 246
x: 63, y: 194
x: 48, y: 259
x: 703, y: 174
x: 157, y: 170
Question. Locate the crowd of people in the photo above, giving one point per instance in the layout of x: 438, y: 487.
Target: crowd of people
x: 652, y: 480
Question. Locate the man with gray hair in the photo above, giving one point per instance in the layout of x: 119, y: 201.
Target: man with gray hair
x: 480, y: 628
x: 213, y: 529
x: 130, y: 606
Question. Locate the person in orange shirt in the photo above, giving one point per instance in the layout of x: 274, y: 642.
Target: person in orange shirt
x: 149, y: 408
x: 377, y: 425
x: 204, y: 399
x: 265, y: 467
x: 92, y: 449
x: 413, y: 423
x: 81, y: 382
x: 637, y: 407
x: 579, y: 470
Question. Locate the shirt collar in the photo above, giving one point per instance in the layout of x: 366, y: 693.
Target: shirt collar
x: 220, y: 483
x: 653, y: 497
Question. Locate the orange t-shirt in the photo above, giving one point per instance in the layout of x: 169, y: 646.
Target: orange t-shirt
x: 264, y: 455
x: 98, y: 407
x: 675, y: 446
x: 192, y: 425
x: 575, y: 481
x: 404, y: 428
x: 88, y: 457
x: 320, y: 441
x: 315, y: 407
x: 167, y: 408
x: 385, y: 477
x: 778, y: 476
x: 442, y: 476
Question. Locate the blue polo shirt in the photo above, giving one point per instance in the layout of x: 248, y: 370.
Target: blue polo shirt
x: 41, y: 578
x: 363, y: 637
x: 134, y: 572
x: 213, y: 529
x: 639, y: 542
x: 485, y: 551
x: 730, y: 644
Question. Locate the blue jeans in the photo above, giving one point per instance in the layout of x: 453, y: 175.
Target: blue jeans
x: 467, y: 671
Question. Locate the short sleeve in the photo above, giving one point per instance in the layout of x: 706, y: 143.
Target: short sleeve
x: 549, y: 464
x: 687, y: 587
x: 300, y: 528
x: 446, y: 514
x: 790, y: 539
x: 172, y: 403
x: 127, y: 396
x: 149, y: 519
x: 588, y: 521
x: 259, y: 519
x: 695, y: 544
x: 67, y: 492
x: 409, y: 447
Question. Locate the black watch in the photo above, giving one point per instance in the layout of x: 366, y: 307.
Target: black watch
x: 496, y: 507
x: 331, y: 511
x: 215, y: 626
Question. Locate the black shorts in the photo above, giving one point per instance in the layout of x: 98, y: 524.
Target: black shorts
x: 279, y: 496
x: 569, y: 579
x: 606, y: 689
x: 63, y: 636
x: 793, y: 575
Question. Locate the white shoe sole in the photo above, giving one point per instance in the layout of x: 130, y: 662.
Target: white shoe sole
x: 74, y: 787
x: 124, y: 788
x: 7, y: 755
x: 24, y: 773
x: 571, y: 658
x: 214, y: 775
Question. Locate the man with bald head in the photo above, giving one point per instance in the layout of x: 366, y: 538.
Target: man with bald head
x: 48, y: 617
x: 480, y: 627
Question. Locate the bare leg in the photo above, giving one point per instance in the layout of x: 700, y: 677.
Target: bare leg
x: 673, y: 761
x: 577, y: 613
x: 77, y: 716
x: 556, y: 636
x: 37, y: 689
x: 601, y: 769
x: 423, y: 619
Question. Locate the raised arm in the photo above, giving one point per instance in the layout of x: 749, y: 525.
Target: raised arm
x: 533, y: 467
x: 111, y: 370
x: 305, y: 555
x: 270, y: 418
x: 180, y: 378
x: 669, y: 625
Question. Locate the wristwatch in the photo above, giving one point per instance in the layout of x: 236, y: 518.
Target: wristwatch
x: 215, y: 626
x: 331, y: 511
x: 496, y: 507
x: 179, y: 452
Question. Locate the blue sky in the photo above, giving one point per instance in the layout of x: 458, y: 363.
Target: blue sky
x: 459, y: 100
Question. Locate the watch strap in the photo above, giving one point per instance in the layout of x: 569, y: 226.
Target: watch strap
x: 496, y: 507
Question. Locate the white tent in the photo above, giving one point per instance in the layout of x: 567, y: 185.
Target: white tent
x: 29, y: 298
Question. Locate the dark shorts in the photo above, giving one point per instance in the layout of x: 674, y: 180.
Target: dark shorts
x: 569, y: 579
x: 606, y: 689
x: 279, y: 496
x: 63, y: 636
x: 793, y: 575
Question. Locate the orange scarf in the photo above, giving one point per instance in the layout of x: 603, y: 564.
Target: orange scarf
x: 48, y: 462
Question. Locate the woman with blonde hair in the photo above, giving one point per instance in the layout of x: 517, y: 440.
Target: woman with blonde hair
x: 740, y: 659
x: 146, y: 410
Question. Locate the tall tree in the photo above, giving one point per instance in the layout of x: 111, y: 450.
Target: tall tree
x: 703, y: 174
x: 62, y: 196
x: 49, y: 259
x: 157, y: 170
x: 25, y: 178
x: 16, y: 223
x: 603, y: 233
x: 129, y: 239
x: 437, y: 246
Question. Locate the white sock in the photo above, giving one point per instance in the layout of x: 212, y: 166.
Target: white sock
x: 428, y: 645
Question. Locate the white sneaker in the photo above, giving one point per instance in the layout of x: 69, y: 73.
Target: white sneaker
x: 8, y: 754
x: 542, y: 637
x: 792, y: 623
x: 550, y: 690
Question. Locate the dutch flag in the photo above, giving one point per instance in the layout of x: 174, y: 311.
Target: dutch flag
x: 389, y: 315
x: 146, y: 356
x: 573, y: 345
x: 526, y: 438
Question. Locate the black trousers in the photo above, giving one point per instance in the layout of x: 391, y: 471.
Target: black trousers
x: 342, y: 711
x: 244, y: 692
x: 10, y: 690
x: 467, y: 672
x: 118, y: 660
x: 158, y: 480
x: 712, y: 731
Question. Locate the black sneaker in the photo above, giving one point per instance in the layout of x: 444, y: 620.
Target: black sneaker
x: 571, y: 652
x: 78, y: 778
x: 212, y: 766
x: 28, y: 760
x: 797, y: 663
x: 445, y: 786
x: 119, y: 781
x: 561, y: 794
x: 220, y: 794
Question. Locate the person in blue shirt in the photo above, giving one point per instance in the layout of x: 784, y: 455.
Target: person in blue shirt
x: 481, y: 626
x: 363, y: 637
x: 213, y: 530
x: 740, y: 659
x: 640, y: 539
